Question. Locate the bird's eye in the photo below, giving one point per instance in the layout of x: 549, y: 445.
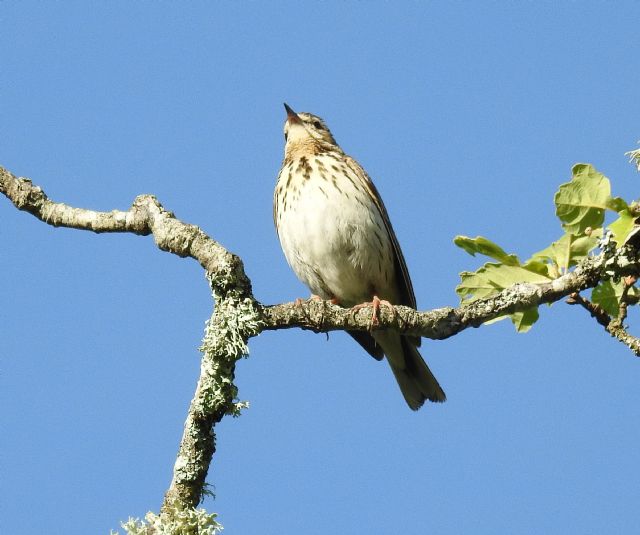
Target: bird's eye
x: 285, y: 137
x: 317, y: 125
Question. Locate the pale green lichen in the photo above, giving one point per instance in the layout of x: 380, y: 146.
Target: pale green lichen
x: 174, y: 522
x: 634, y: 157
x: 233, y: 322
x: 235, y: 319
x: 237, y: 407
x: 208, y: 491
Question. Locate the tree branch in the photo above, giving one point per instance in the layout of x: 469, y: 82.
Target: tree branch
x: 437, y: 324
x: 215, y: 392
x: 614, y: 326
x: 238, y: 316
x: 146, y: 216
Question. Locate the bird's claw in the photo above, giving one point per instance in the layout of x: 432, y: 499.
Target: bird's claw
x: 375, y: 304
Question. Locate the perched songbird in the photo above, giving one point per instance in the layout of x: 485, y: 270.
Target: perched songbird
x: 337, y: 237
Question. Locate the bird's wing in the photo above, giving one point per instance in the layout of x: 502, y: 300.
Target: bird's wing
x: 405, y: 287
x: 275, y: 212
x: 277, y: 192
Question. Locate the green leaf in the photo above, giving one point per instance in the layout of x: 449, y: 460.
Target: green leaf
x: 617, y: 204
x: 568, y: 250
x: 492, y: 278
x: 581, y: 203
x: 607, y: 295
x: 622, y: 226
x: 539, y: 267
x: 486, y: 247
x: 523, y: 321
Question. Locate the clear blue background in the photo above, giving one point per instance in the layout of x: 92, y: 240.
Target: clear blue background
x: 468, y: 116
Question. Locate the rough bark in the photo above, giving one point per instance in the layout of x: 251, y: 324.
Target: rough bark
x: 238, y: 315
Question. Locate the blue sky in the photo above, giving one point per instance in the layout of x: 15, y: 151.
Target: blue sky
x: 467, y: 116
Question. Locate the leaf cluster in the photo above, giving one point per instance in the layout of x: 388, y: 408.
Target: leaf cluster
x: 581, y: 205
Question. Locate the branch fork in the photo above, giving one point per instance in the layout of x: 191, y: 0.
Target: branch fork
x: 238, y: 316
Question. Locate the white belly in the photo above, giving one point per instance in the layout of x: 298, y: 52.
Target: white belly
x: 338, y: 246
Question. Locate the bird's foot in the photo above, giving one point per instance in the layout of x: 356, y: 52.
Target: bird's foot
x: 375, y: 304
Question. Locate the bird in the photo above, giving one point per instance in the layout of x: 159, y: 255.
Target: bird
x: 336, y: 235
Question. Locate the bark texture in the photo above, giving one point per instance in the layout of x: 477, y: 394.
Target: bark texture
x: 238, y: 315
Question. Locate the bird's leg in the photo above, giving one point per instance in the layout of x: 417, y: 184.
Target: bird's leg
x: 375, y: 303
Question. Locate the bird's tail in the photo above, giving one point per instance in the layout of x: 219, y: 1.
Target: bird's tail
x: 414, y: 377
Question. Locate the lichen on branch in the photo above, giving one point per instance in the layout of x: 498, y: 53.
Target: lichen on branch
x: 565, y: 268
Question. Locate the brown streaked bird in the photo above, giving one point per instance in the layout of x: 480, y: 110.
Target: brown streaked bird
x: 336, y: 235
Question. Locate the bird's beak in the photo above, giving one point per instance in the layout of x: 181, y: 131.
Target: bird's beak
x: 292, y: 116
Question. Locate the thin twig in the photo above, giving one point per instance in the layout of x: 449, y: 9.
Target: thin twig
x: 614, y: 326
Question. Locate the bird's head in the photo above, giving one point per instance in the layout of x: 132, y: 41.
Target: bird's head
x: 305, y: 129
